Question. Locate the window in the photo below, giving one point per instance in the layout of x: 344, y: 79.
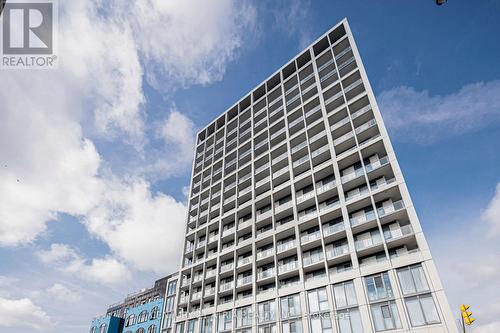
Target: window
x: 154, y: 313
x: 378, y: 287
x: 292, y: 326
x: 169, y: 304
x: 103, y: 328
x: 290, y: 306
x: 269, y: 328
x: 130, y: 320
x: 143, y: 317
x: 318, y: 300
x: 191, y: 326
x: 243, y: 317
x: 140, y: 330
x: 321, y: 323
x: 422, y: 310
x: 350, y: 321
x: 206, y: 325
x: 172, y: 286
x: 345, y: 295
x: 412, y: 280
x: 179, y: 327
x: 225, y: 321
x: 152, y: 329
x: 267, y: 311
x: 167, y: 320
x: 385, y: 316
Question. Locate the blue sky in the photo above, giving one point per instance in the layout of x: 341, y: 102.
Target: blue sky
x: 102, y: 147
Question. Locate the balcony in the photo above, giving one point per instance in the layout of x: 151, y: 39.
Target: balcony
x: 285, y: 246
x: 245, y: 178
x: 365, y: 126
x: 280, y: 158
x: 329, y: 204
x: 265, y: 253
x: 377, y: 164
x: 326, y: 186
x: 244, y: 224
x: 393, y: 234
x: 244, y: 280
x: 244, y: 261
x: 281, y: 172
x: 265, y: 274
x: 210, y: 273
x: 333, y: 228
x: 391, y: 208
x: 262, y: 168
x: 226, y: 268
x: 209, y: 292
x: 229, y: 199
x: 196, y: 296
x: 367, y: 217
x: 333, y: 98
x: 226, y: 286
x: 375, y: 239
x: 313, y: 110
x: 316, y: 137
x: 299, y: 147
x: 228, y: 232
x: 304, y: 216
x: 343, y: 138
x: 313, y: 259
x: 305, y: 196
x: 356, y: 193
x: 296, y: 122
x: 361, y: 111
x: 289, y: 266
x: 185, y: 282
x: 337, y: 251
x: 301, y: 161
x: 263, y: 214
x: 201, y: 244
x: 262, y: 182
x: 309, y: 237
x: 340, y: 123
x: 352, y: 175
x: 275, y: 135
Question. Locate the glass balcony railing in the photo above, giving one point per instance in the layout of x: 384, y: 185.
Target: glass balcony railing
x: 337, y: 251
x: 281, y: 172
x: 319, y: 151
x: 405, y: 230
x: 340, y: 123
x: 244, y: 261
x: 290, y: 266
x: 377, y: 164
x: 301, y: 161
x: 326, y: 186
x: 352, y: 175
x: 361, y: 111
x: 367, y: 217
x: 226, y: 267
x: 226, y: 286
x: 296, y: 122
x: 310, y: 237
x: 368, y: 242
x: 305, y: 196
x: 313, y: 110
x: 299, y: 147
x: 265, y: 253
x: 386, y: 210
x: 325, y: 65
x: 285, y: 246
x: 262, y: 168
x: 280, y: 158
x: 244, y: 280
x: 304, y: 216
x: 333, y: 228
x: 209, y: 291
x: 210, y: 273
x: 312, y: 259
x: 343, y: 138
x: 265, y: 274
x: 344, y: 51
x: 316, y: 137
x: 332, y: 98
x: 365, y: 126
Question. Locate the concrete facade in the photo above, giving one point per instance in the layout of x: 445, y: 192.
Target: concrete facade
x: 299, y: 216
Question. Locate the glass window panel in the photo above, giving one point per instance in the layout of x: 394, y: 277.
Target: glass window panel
x: 357, y: 326
x: 406, y: 281
x: 350, y: 294
x: 429, y: 308
x: 419, y: 279
x: 340, y: 297
x: 415, y: 312
x: 313, y: 301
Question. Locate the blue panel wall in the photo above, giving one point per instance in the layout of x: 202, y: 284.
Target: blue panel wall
x: 113, y: 324
x: 135, y: 326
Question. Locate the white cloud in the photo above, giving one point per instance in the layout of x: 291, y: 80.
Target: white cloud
x: 493, y: 327
x: 293, y: 18
x: 492, y: 214
x: 22, y: 313
x: 106, y: 270
x: 144, y: 229
x: 62, y: 293
x: 190, y: 41
x: 471, y: 274
x: 417, y: 116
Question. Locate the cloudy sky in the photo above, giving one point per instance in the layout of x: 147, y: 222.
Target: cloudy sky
x: 95, y: 157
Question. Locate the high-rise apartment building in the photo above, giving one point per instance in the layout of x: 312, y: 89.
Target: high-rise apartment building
x: 299, y: 217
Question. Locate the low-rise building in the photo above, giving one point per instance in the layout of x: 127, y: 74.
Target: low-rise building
x: 106, y: 324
